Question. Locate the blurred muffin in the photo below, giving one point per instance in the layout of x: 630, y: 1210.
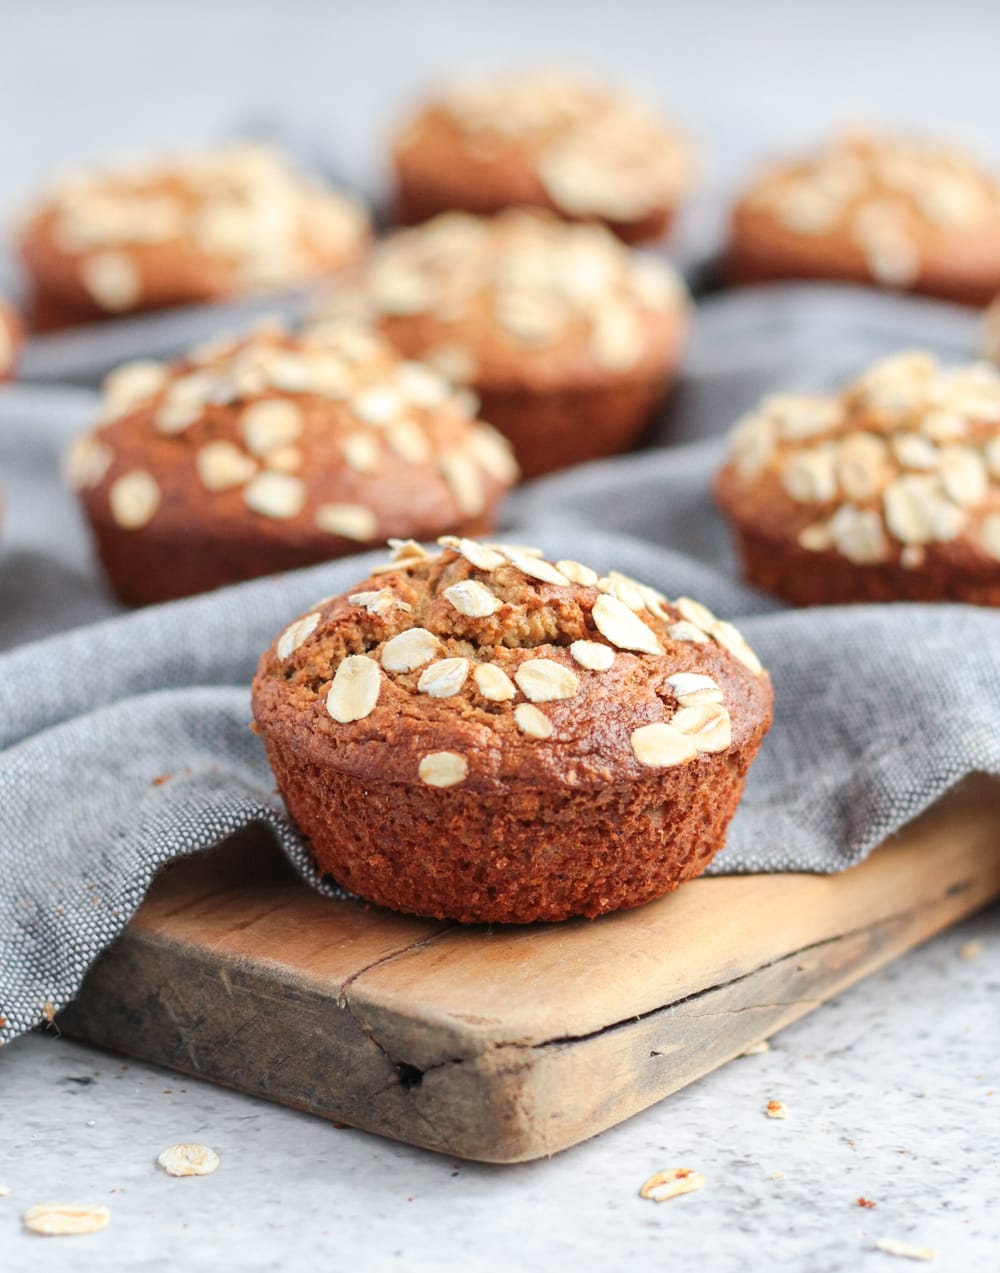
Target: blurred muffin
x: 568, y: 338
x: 889, y: 491
x: 10, y: 340
x: 883, y: 210
x: 484, y: 735
x: 991, y: 331
x: 555, y: 139
x: 273, y: 452
x: 185, y: 229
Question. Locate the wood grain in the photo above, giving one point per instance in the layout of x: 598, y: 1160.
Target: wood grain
x: 507, y: 1044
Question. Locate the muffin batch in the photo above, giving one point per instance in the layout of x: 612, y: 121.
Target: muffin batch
x: 477, y: 732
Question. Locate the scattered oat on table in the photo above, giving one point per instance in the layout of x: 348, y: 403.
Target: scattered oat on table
x: 5, y: 1191
x: 188, y: 1160
x: 757, y: 1049
x: 65, y: 1219
x: 776, y: 1109
x: 970, y: 949
x: 671, y: 1183
x: 891, y: 1247
x: 776, y: 1175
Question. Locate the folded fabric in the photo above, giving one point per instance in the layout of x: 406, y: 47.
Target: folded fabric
x: 125, y: 743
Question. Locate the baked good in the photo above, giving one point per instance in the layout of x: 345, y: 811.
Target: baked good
x: 568, y: 338
x: 275, y: 451
x: 184, y: 229
x: 991, y: 331
x: 867, y: 208
x: 483, y: 735
x: 10, y: 340
x: 556, y: 139
x: 888, y: 491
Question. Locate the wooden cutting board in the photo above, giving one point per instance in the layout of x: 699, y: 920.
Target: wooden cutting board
x: 507, y: 1044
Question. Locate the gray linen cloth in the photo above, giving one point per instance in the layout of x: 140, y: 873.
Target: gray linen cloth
x: 124, y: 739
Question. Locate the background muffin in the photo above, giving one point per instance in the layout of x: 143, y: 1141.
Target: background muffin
x: 888, y: 491
x: 486, y: 736
x: 991, y: 331
x: 884, y: 210
x: 273, y: 452
x: 190, y: 228
x: 568, y: 338
x: 555, y: 139
x: 10, y: 340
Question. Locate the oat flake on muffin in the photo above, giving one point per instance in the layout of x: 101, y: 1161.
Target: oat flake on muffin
x: 486, y: 735
x: 889, y: 490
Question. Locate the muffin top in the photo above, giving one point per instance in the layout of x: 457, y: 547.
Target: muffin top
x: 521, y: 298
x: 223, y: 222
x: 485, y: 665
x: 902, y: 466
x: 289, y: 436
x: 10, y: 340
x: 894, y: 201
x: 595, y: 149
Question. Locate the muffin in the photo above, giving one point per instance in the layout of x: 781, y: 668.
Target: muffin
x: 276, y: 451
x: 889, y: 491
x: 991, y: 331
x: 554, y: 139
x: 568, y: 338
x: 182, y: 230
x: 883, y: 210
x: 10, y: 340
x: 483, y: 735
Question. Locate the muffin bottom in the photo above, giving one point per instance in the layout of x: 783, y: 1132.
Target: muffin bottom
x: 529, y: 855
x: 554, y: 430
x: 747, y: 265
x: 145, y: 568
x: 827, y: 578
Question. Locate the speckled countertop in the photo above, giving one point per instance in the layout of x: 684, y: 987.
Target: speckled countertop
x: 893, y: 1095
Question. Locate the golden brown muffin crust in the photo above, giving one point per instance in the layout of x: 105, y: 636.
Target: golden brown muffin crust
x: 191, y: 228
x: 900, y: 471
x: 10, y: 340
x: 315, y: 443
x: 554, y: 139
x: 528, y: 705
x: 488, y: 736
x: 522, y: 301
x: 879, y: 209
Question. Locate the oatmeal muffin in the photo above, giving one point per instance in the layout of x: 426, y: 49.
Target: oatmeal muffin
x: 272, y: 452
x: 483, y: 735
x: 568, y: 338
x: 559, y: 140
x: 883, y: 210
x: 181, y: 230
x: 991, y: 331
x: 889, y: 491
x: 10, y: 340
